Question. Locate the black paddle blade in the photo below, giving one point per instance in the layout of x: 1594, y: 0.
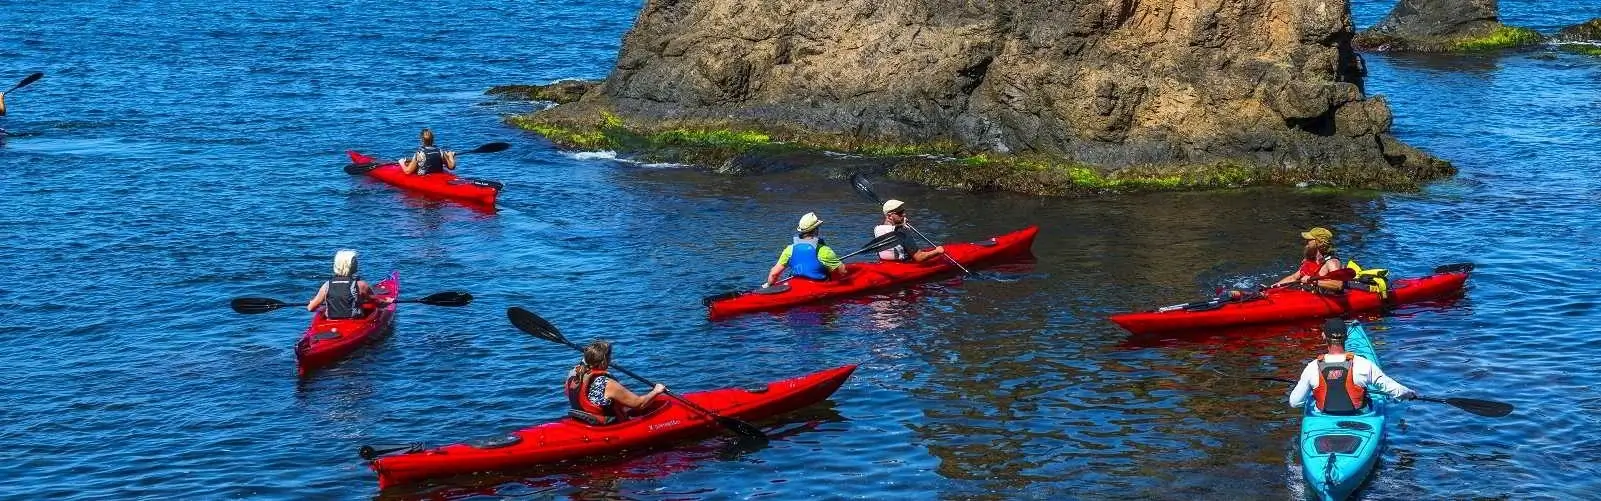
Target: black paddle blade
x: 1454, y: 268
x: 359, y: 169
x: 743, y: 428
x: 479, y: 182
x: 527, y: 321
x: 708, y: 300
x: 490, y: 148
x: 254, y: 305
x: 1486, y: 408
x: 861, y: 185
x: 878, y: 243
x: 25, y: 81
x: 374, y: 451
x: 451, y: 298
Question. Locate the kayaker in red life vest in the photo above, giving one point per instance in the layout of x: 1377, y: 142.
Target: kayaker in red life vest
x: 595, y: 396
x: 807, y: 257
x: 908, y: 250
x: 1317, y: 260
x: 345, y: 294
x: 429, y: 158
x: 1338, y: 381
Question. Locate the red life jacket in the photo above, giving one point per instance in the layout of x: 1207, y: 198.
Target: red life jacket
x: 578, y: 387
x: 1338, y: 392
x: 1310, y: 268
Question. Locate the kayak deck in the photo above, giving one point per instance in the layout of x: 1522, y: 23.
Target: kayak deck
x: 327, y: 341
x: 664, y: 421
x: 445, y: 185
x: 864, y: 277
x: 1339, y: 452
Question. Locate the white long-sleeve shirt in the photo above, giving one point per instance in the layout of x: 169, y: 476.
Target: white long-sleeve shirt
x: 1363, y: 373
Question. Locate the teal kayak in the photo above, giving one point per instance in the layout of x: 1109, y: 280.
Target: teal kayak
x: 1339, y: 452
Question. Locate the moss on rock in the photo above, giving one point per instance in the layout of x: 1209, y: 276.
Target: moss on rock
x: 1501, y: 38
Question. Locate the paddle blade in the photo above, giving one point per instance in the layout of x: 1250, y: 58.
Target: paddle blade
x: 527, y: 321
x: 878, y: 243
x: 25, y: 81
x: 371, y: 452
x: 1486, y: 408
x: 1454, y: 268
x: 708, y: 300
x: 359, y: 169
x: 490, y: 148
x: 743, y: 428
x: 254, y: 305
x: 860, y: 184
x: 451, y: 298
x: 479, y: 182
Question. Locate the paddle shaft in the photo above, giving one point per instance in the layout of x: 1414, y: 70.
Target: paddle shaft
x: 25, y: 81
x: 931, y: 242
x: 1486, y: 408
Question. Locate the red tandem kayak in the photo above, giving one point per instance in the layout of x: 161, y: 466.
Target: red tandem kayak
x: 1288, y: 304
x: 327, y: 341
x: 664, y: 421
x: 439, y: 184
x: 874, y: 276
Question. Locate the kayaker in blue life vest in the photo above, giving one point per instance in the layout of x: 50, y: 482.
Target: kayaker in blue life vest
x: 595, y: 396
x: 429, y: 158
x: 345, y: 295
x: 1317, y: 260
x: 808, y: 257
x: 908, y: 250
x: 1337, y: 382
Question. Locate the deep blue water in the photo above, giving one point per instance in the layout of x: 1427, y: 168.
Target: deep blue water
x: 179, y: 154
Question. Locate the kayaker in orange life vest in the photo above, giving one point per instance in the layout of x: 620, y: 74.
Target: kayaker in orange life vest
x: 345, y: 294
x: 807, y: 257
x: 908, y: 250
x: 1317, y: 260
x: 429, y: 158
x: 595, y: 396
x: 1337, y: 382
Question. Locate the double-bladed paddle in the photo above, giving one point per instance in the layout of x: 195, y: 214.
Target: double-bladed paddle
x: 878, y: 243
x: 254, y: 305
x: 25, y: 81
x: 862, y: 186
x: 356, y: 169
x: 1486, y: 408
x: 530, y: 323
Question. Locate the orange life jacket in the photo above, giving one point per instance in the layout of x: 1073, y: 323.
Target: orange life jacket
x: 1338, y: 392
x: 578, y: 387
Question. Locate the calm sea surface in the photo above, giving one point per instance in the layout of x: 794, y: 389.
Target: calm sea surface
x: 182, y: 153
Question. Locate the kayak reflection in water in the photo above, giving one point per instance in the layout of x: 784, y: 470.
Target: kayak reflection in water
x: 908, y: 250
x: 429, y: 158
x: 1317, y: 261
x: 1337, y: 382
x: 595, y: 396
x: 808, y: 257
x: 345, y: 294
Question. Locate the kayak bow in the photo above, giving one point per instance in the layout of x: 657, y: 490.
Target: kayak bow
x: 1339, y: 452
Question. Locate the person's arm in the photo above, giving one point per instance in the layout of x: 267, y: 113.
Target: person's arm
x: 408, y: 166
x: 322, y: 294
x: 830, y: 260
x: 1384, y: 383
x: 1330, y: 266
x: 1304, y: 387
x: 783, y: 260
x: 927, y: 254
x: 450, y: 160
x: 617, y: 393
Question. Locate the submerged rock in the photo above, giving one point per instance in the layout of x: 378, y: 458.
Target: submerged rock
x: 1582, y: 32
x: 1444, y: 26
x: 565, y: 91
x: 1021, y: 95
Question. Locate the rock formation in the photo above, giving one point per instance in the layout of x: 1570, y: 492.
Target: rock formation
x: 1025, y: 95
x: 1444, y: 26
x: 1583, y: 32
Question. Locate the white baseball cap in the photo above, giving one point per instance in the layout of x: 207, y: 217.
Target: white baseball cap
x: 808, y: 222
x: 891, y: 205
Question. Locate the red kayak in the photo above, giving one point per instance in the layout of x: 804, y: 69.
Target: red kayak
x: 1287, y: 304
x: 327, y: 341
x: 439, y: 184
x: 874, y: 276
x: 664, y: 421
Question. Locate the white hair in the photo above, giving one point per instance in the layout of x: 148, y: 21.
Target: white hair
x: 345, y: 262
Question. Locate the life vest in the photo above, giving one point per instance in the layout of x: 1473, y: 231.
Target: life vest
x: 1375, y: 280
x: 578, y: 388
x: 344, y: 298
x: 1338, y: 392
x: 433, y: 160
x: 803, y: 260
x: 897, y: 253
x: 1310, y: 268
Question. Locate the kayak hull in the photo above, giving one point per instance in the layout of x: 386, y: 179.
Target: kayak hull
x: 1339, y: 452
x: 328, y: 341
x: 1289, y: 304
x: 665, y: 420
x: 439, y: 184
x: 876, y: 276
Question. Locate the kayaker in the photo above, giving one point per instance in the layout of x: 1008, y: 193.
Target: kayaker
x: 2, y: 104
x: 345, y: 294
x: 595, y: 396
x: 1317, y: 260
x: 429, y: 158
x: 808, y: 256
x: 1338, y: 381
x: 908, y: 250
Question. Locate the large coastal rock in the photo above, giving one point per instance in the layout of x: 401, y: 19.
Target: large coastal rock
x: 1033, y: 96
x: 1444, y: 26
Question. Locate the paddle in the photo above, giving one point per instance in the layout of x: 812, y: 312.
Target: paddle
x: 25, y: 81
x: 528, y: 322
x: 356, y: 169
x: 371, y: 452
x: 1486, y: 408
x: 878, y: 243
x: 254, y: 305
x: 1341, y: 274
x: 861, y: 185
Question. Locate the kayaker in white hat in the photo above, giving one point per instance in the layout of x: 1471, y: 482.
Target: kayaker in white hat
x: 894, y: 222
x: 595, y: 396
x: 1338, y: 381
x: 345, y: 295
x: 808, y: 256
x: 429, y: 158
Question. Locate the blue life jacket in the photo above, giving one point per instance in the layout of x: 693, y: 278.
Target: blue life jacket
x: 803, y: 260
x: 433, y: 160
